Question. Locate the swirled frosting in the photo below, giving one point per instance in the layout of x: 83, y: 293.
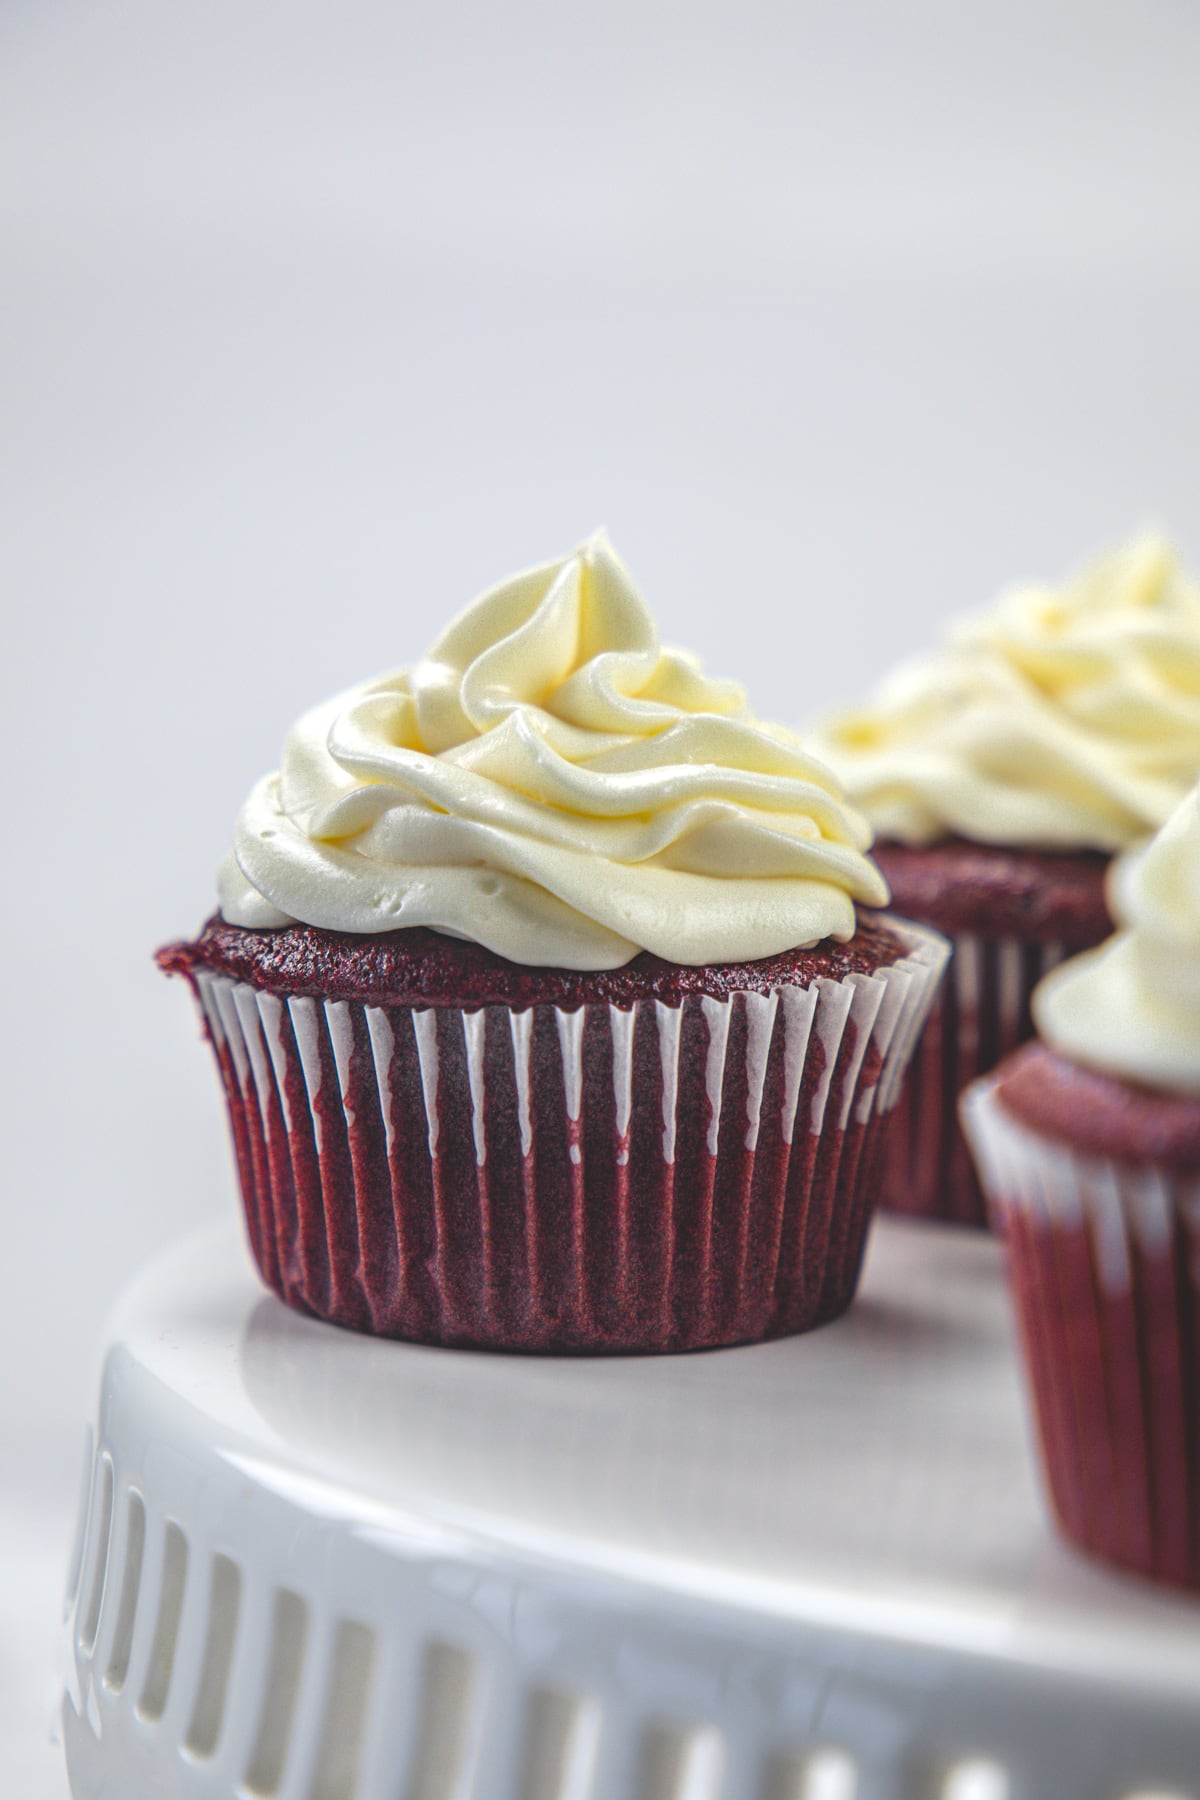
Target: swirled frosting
x: 1132, y: 1007
x: 552, y: 783
x: 1066, y: 719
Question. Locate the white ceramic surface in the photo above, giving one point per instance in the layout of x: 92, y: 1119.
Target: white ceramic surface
x: 326, y: 1567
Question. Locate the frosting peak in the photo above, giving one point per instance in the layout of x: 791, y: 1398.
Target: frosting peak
x: 553, y: 783
x: 1067, y: 718
x: 1132, y: 1007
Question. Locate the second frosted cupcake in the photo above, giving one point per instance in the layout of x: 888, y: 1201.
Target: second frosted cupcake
x: 1001, y: 773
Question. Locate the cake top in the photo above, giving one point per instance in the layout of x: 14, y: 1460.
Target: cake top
x: 1066, y: 718
x: 553, y: 784
x: 427, y: 968
x: 1132, y: 1007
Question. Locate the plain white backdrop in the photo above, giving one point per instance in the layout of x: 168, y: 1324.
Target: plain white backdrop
x: 318, y: 319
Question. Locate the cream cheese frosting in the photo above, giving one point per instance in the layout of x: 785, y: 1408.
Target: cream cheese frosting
x: 1066, y: 719
x: 1132, y: 1007
x: 551, y: 782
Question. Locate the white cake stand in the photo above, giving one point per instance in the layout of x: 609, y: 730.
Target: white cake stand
x: 315, y: 1566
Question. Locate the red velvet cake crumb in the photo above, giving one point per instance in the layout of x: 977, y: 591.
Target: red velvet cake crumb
x: 1099, y: 1114
x: 1035, y: 896
x: 425, y: 968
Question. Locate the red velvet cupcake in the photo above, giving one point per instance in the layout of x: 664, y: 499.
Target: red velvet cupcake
x: 1088, y: 1145
x: 542, y: 1011
x: 1000, y: 774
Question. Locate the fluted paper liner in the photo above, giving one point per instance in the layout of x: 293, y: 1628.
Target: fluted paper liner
x: 1104, y: 1264
x: 980, y: 1014
x: 602, y: 1179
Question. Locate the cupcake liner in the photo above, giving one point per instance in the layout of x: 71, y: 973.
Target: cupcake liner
x: 980, y: 1014
x: 602, y: 1179
x: 1104, y: 1263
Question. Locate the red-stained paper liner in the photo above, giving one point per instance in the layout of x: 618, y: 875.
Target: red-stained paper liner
x: 1104, y: 1263
x: 980, y: 1014
x: 657, y: 1178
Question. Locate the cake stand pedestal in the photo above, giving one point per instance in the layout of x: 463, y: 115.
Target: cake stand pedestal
x: 316, y: 1566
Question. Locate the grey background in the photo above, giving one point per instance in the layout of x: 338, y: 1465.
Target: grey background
x: 318, y: 319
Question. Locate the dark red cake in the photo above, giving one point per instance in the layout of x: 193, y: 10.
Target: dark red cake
x: 1034, y: 896
x: 435, y: 1143
x: 1011, y: 916
x: 1100, y: 1114
x: 426, y: 968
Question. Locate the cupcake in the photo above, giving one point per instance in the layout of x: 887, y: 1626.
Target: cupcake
x: 1088, y: 1143
x: 1001, y: 772
x: 537, y: 991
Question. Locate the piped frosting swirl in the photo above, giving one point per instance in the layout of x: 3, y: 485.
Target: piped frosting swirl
x: 1066, y: 719
x: 1132, y: 1007
x: 551, y: 782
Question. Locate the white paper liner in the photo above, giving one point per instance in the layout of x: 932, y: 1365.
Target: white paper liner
x: 980, y: 1015
x: 352, y: 1125
x: 1104, y: 1263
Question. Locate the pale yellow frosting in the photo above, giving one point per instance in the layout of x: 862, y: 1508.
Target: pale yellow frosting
x: 552, y: 783
x: 1066, y: 719
x: 1132, y: 1007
